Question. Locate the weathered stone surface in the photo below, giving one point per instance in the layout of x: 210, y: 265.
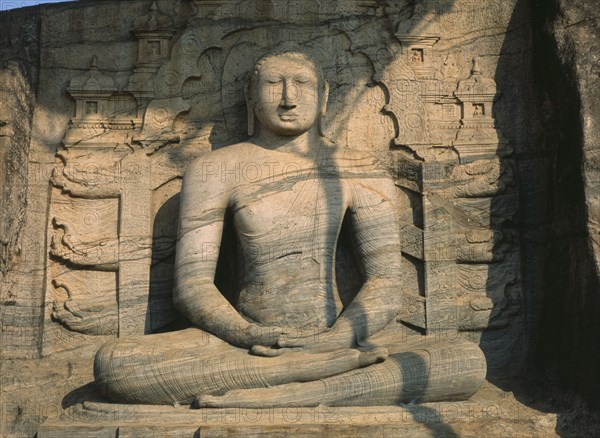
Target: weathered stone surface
x: 309, y: 342
x: 16, y: 111
x: 16, y: 114
x: 482, y: 117
x: 569, y: 106
x: 428, y: 420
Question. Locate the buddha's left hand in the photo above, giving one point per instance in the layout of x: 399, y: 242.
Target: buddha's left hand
x: 316, y: 342
x: 326, y: 340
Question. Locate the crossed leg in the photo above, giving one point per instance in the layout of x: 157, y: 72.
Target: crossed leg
x: 429, y: 371
x: 176, y: 367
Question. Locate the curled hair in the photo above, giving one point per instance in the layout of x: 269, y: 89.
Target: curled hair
x: 292, y: 50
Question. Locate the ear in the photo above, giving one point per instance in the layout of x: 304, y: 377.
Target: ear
x: 250, y: 108
x: 322, y: 118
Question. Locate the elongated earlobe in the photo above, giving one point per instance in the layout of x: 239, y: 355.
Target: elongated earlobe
x: 323, y: 117
x: 250, y: 108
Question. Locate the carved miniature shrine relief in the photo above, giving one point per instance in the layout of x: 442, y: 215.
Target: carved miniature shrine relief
x: 425, y: 111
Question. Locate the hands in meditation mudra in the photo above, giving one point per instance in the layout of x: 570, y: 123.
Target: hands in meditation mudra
x: 287, y: 340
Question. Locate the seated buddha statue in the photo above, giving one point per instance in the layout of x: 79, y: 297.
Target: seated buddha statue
x: 287, y: 338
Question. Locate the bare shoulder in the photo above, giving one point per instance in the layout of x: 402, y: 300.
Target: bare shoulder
x: 359, y: 163
x: 211, y: 167
x: 228, y: 154
x: 368, y: 176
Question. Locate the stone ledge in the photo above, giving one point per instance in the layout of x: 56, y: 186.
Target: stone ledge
x: 468, y: 419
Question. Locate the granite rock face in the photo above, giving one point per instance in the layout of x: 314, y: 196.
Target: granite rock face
x: 569, y: 97
x: 15, y: 136
x: 577, y: 35
x: 16, y: 115
x: 485, y: 119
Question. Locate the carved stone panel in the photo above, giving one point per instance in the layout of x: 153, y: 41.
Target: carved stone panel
x: 132, y: 137
x: 115, y: 101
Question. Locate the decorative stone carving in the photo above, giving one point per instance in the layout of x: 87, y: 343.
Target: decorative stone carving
x: 154, y: 32
x: 91, y: 92
x: 100, y: 244
x: 478, y: 136
x: 286, y: 310
x: 91, y: 315
x: 417, y: 45
x: 84, y: 174
x: 101, y: 254
x: 107, y: 156
x: 467, y: 194
x: 116, y: 194
x: 103, y: 115
x: 406, y: 106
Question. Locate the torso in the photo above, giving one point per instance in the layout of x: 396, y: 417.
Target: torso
x: 287, y: 222
x: 288, y: 211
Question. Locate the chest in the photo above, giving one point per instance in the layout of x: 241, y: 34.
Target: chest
x: 288, y: 205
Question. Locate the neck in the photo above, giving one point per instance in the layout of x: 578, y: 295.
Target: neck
x: 302, y: 144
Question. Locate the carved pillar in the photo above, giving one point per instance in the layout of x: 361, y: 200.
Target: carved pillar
x: 135, y: 223
x: 454, y: 174
x: 438, y: 249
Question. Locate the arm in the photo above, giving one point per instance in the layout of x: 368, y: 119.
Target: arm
x: 373, y: 210
x: 204, y: 200
x: 376, y: 240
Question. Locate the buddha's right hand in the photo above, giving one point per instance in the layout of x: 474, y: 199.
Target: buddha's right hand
x: 255, y: 334
x: 261, y: 350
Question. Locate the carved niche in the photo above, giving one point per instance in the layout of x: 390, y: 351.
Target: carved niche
x: 112, y: 227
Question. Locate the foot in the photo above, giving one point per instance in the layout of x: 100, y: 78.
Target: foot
x: 206, y: 401
x: 245, y: 398
x: 297, y: 394
x: 376, y: 355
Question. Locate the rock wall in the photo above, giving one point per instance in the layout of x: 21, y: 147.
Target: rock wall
x: 519, y: 160
x: 17, y: 111
x: 18, y: 77
x: 566, y: 72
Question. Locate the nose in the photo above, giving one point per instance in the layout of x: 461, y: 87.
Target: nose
x: 289, y: 95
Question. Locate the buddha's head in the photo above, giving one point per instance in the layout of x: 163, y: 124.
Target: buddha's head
x: 287, y: 94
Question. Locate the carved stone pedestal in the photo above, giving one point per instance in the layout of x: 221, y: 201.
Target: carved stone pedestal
x: 492, y: 414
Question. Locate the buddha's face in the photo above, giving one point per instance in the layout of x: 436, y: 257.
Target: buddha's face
x: 286, y: 95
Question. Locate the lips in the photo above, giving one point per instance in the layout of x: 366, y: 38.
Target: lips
x: 289, y: 117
